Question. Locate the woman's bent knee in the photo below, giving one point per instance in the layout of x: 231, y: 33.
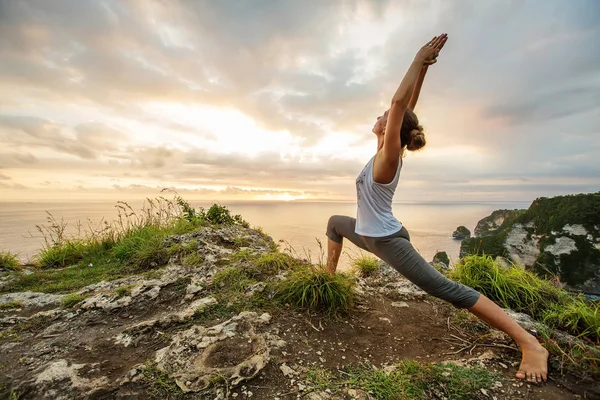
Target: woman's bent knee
x: 332, y: 228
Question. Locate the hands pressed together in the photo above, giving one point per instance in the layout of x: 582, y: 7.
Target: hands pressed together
x: 428, y: 54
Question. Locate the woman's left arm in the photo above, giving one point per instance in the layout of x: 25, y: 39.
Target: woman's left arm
x: 419, y: 84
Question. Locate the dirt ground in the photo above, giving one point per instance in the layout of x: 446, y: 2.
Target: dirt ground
x: 377, y: 333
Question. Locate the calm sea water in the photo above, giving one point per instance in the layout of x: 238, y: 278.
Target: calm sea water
x: 300, y: 225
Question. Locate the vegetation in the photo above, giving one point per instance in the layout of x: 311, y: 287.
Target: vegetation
x: 461, y: 232
x: 9, y: 261
x: 546, y: 218
x: 487, y: 226
x: 365, y: 265
x: 10, y: 305
x: 522, y: 291
x: 441, y: 257
x: 160, y: 385
x: 132, y: 244
x: 193, y: 260
x: 315, y: 289
x: 124, y: 290
x: 409, y: 379
x: 72, y: 299
x: 32, y: 325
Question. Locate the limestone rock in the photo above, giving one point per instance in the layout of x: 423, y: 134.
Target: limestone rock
x: 61, y: 380
x: 461, y: 233
x: 33, y: 299
x: 559, y: 234
x: 233, y: 350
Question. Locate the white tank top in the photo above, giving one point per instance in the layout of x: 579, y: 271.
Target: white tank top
x: 374, y: 216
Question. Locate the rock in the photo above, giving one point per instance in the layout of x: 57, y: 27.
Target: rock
x: 490, y: 224
x: 318, y: 396
x: 287, y: 371
x: 441, y: 257
x: 33, y: 299
x: 357, y: 394
x: 400, y: 304
x: 403, y: 289
x: 231, y: 350
x: 440, y: 266
x: 196, y: 285
x: 255, y: 288
x: 461, y: 233
x: 60, y: 380
x: 195, y: 306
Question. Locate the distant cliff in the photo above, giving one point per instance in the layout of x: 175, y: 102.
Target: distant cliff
x: 558, y: 235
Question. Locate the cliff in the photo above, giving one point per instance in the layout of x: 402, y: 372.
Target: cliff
x: 555, y: 236
x: 205, y: 307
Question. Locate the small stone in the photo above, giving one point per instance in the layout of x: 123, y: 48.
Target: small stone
x: 400, y: 304
x: 287, y: 371
x: 485, y: 393
x: 385, y: 319
x: 503, y: 365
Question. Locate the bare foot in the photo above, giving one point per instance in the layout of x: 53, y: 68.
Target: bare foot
x: 534, y: 364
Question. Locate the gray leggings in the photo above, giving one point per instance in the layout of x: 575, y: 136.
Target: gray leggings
x: 397, y: 251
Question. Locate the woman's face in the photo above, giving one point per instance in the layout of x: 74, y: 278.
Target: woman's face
x: 379, y: 127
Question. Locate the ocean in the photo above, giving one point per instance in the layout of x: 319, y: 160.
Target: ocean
x: 298, y: 225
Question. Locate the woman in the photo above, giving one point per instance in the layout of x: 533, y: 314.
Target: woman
x: 376, y: 229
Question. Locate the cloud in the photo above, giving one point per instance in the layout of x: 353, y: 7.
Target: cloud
x: 82, y: 85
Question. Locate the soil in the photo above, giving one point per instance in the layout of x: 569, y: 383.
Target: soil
x: 376, y: 333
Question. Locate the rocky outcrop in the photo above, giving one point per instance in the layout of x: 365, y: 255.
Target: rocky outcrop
x: 234, y: 351
x: 495, y: 221
x: 558, y: 236
x: 462, y: 232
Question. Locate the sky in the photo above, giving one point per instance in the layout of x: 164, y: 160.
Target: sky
x: 275, y: 99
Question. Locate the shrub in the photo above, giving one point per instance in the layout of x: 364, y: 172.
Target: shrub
x: 70, y: 300
x: 315, y: 289
x: 9, y: 261
x: 365, y: 265
x: 522, y: 291
x: 10, y: 305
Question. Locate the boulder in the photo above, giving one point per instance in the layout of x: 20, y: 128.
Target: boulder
x: 462, y: 232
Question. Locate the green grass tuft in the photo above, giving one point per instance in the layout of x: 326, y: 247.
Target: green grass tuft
x: 9, y: 261
x: 576, y: 315
x: 215, y: 311
x: 193, y: 260
x: 161, y: 385
x: 72, y: 299
x: 232, y: 280
x: 144, y: 249
x: 269, y: 264
x: 67, y: 279
x: 365, y: 266
x: 11, y: 305
x: 315, y: 289
x: 124, y: 290
x: 522, y: 291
